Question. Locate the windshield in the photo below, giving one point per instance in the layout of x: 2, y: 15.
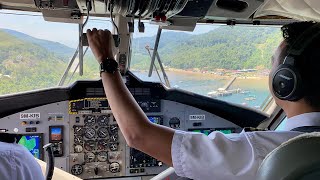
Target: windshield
x: 230, y: 63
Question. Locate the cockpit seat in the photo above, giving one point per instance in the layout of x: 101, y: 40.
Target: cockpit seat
x: 296, y: 159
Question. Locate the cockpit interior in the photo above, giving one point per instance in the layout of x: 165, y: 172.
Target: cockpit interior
x: 75, y: 116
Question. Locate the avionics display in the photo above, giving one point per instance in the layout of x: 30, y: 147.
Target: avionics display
x: 155, y: 119
x: 33, y: 142
x: 139, y: 159
x: 208, y: 131
x: 55, y: 133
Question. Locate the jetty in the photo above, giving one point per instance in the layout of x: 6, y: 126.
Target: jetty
x: 224, y: 91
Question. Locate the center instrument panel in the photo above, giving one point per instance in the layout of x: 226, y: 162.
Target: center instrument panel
x: 98, y: 149
x: 87, y: 140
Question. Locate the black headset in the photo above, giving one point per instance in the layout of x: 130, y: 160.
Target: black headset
x: 286, y: 80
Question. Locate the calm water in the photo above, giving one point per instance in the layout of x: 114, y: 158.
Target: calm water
x: 204, y: 83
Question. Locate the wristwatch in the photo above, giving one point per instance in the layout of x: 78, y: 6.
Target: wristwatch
x: 108, y: 65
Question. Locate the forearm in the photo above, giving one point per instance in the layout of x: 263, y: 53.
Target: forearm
x: 139, y: 133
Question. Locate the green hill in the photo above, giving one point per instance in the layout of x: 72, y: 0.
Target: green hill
x: 25, y: 66
x: 62, y: 51
x: 28, y: 63
x: 225, y: 47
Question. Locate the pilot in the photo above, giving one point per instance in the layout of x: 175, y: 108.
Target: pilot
x: 217, y: 156
x: 17, y: 163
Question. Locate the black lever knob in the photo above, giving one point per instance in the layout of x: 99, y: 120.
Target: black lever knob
x: 96, y: 170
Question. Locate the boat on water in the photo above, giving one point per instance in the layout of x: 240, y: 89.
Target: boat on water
x: 250, y: 98
x: 244, y: 92
x: 222, y: 92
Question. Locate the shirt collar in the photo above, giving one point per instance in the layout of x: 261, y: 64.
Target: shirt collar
x: 306, y: 119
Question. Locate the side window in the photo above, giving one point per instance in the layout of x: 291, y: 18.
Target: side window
x: 281, y: 125
x: 35, y: 53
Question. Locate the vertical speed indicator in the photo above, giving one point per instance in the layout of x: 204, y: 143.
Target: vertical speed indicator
x: 103, y: 120
x: 90, y: 120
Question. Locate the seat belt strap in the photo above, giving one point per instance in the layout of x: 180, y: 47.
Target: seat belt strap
x: 307, y: 129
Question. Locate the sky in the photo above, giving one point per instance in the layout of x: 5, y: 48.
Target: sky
x: 34, y: 25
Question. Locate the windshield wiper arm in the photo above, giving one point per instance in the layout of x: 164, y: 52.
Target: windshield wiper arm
x: 155, y: 49
x: 165, y: 77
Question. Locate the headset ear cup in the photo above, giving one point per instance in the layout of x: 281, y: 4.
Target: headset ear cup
x: 287, y: 83
x: 299, y: 91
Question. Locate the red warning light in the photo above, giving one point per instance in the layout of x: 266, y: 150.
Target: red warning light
x: 65, y: 2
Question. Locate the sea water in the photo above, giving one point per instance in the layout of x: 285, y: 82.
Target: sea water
x: 255, y: 89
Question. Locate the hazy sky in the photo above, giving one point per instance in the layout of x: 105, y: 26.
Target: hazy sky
x: 34, y: 25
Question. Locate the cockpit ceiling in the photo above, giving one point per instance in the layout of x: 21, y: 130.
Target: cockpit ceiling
x: 213, y: 11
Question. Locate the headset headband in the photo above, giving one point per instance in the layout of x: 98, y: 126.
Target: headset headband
x: 304, y: 40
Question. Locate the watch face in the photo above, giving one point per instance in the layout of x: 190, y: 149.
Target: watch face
x: 109, y: 65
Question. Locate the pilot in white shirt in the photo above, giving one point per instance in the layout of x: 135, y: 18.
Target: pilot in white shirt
x: 17, y: 163
x: 217, y: 156
x: 233, y: 155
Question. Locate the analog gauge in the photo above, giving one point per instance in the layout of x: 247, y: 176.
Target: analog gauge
x: 90, y: 133
x: 113, y: 146
x: 174, y: 123
x: 76, y: 169
x: 102, y: 156
x: 103, y: 132
x: 103, y: 120
x: 90, y: 120
x: 113, y: 129
x: 78, y: 149
x: 114, y: 138
x: 102, y: 144
x: 90, y: 145
x: 78, y: 130
x: 89, y: 157
x: 114, y: 167
x: 78, y: 139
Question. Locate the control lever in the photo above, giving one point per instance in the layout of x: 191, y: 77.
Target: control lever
x: 50, y: 161
x: 116, y: 39
x: 96, y: 170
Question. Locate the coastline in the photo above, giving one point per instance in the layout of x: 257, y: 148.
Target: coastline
x: 221, y: 74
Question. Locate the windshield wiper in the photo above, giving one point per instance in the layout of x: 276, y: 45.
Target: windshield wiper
x: 155, y: 55
x: 164, y: 74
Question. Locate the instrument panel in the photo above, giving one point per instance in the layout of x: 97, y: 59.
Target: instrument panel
x: 97, y: 148
x: 87, y: 139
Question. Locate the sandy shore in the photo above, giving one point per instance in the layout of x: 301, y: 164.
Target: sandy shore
x: 249, y: 75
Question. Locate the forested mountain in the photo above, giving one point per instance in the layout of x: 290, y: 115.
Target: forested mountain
x: 28, y: 63
x: 62, y: 51
x: 225, y: 47
x: 25, y: 66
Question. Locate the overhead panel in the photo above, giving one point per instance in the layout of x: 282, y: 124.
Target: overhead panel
x: 233, y: 9
x: 144, y: 9
x: 27, y: 5
x: 59, y: 11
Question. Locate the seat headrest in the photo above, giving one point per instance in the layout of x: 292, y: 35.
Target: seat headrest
x: 296, y: 159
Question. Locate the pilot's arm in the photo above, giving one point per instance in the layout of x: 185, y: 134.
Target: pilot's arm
x: 138, y: 131
x: 193, y: 155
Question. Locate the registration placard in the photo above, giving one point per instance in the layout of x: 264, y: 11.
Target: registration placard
x: 198, y: 117
x: 29, y: 115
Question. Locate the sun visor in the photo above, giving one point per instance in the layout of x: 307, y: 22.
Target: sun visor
x: 303, y: 10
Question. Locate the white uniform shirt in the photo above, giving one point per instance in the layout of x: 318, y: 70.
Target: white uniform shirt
x: 232, y: 156
x: 17, y: 163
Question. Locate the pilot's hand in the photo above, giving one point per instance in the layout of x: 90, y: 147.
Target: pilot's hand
x: 101, y: 43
